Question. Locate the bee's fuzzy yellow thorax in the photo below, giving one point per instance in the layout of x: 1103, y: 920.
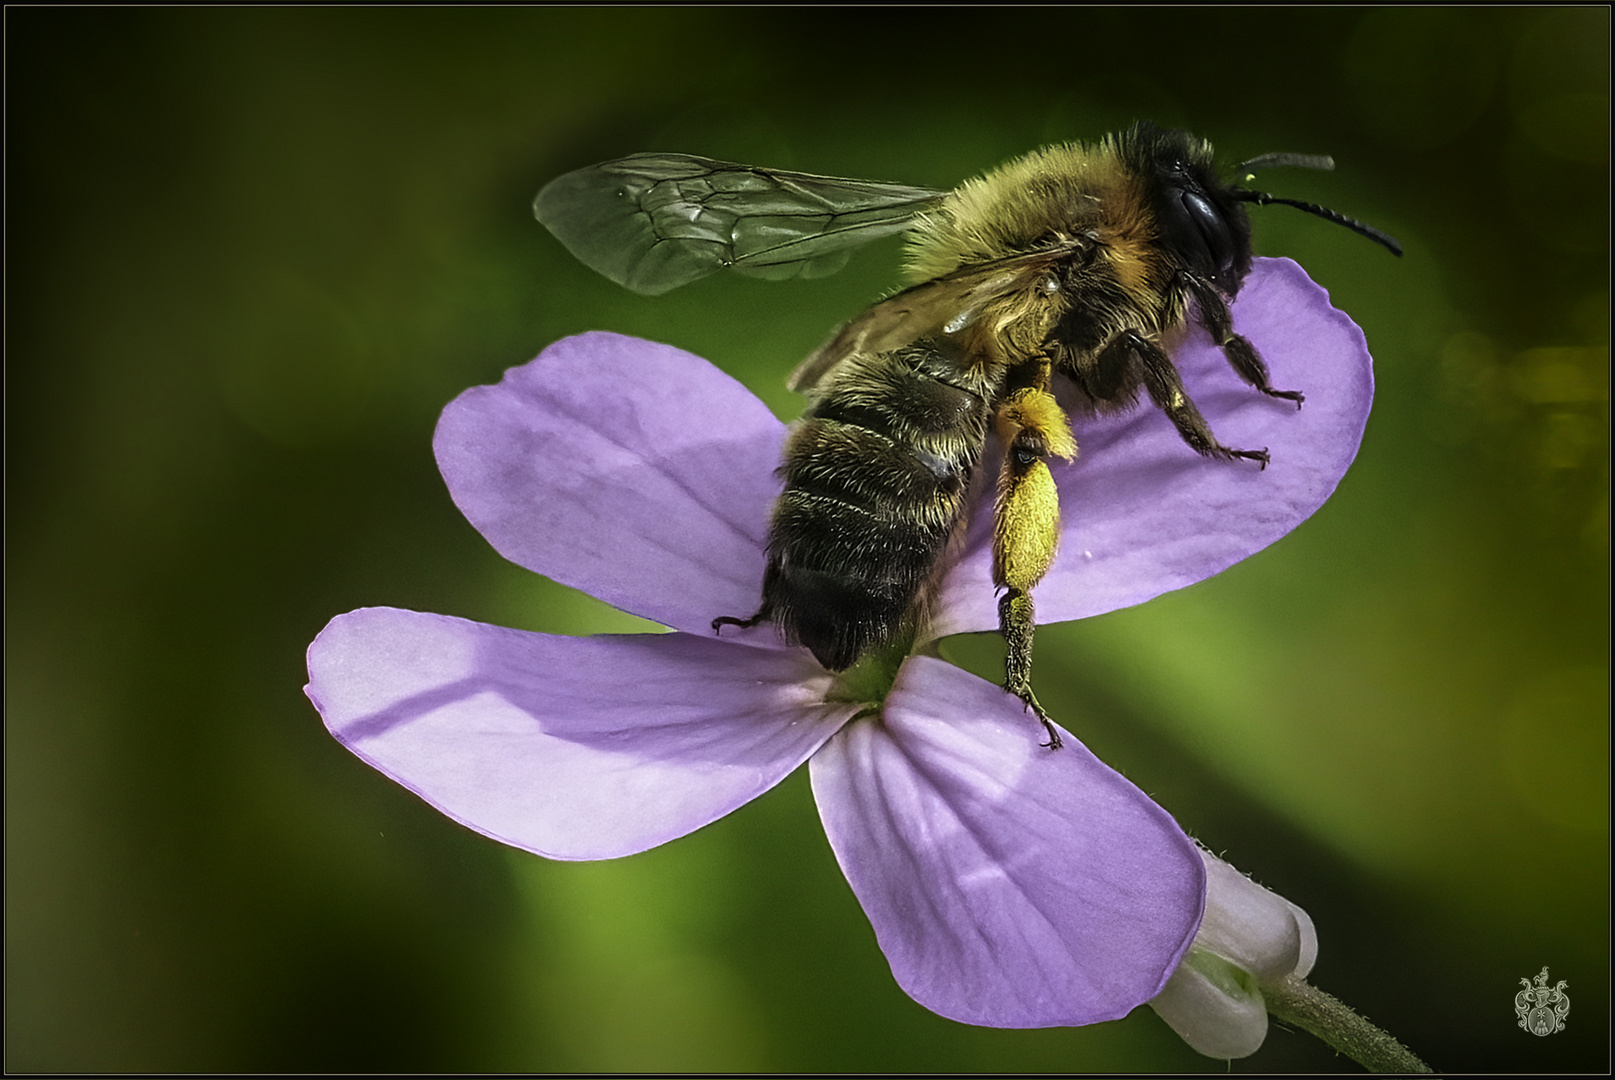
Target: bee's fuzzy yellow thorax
x: 1058, y: 192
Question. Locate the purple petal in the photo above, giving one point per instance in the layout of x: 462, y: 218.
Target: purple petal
x: 1142, y: 514
x: 573, y: 748
x: 633, y: 471
x: 1009, y: 885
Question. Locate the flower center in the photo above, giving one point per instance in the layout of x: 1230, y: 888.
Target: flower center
x: 870, y: 679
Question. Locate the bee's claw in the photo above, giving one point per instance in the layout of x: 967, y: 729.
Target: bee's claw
x: 1029, y: 699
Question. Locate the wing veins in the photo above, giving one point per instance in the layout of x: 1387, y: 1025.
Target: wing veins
x: 925, y: 308
x: 656, y: 221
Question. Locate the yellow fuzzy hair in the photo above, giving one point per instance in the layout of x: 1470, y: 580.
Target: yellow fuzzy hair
x: 1058, y: 191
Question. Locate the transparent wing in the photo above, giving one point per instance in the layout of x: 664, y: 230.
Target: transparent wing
x: 654, y: 222
x: 944, y: 306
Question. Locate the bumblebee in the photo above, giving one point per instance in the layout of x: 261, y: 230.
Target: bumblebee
x: 1086, y: 261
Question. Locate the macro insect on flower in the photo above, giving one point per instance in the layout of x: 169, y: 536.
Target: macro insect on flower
x: 1007, y: 885
x: 1086, y: 261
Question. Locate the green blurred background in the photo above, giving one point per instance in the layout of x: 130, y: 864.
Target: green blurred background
x: 251, y: 253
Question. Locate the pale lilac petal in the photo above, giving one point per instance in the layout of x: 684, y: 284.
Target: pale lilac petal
x: 1214, y: 1006
x: 632, y: 471
x: 1253, y: 928
x: 1250, y: 937
x: 1142, y: 514
x: 573, y: 748
x: 1309, y: 942
x: 1009, y: 885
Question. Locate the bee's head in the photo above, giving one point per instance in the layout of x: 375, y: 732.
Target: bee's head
x: 1199, y: 219
x: 1202, y: 219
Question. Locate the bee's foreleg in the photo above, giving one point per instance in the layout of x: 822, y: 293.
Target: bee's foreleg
x: 1212, y: 313
x: 1027, y: 527
x: 1166, y: 389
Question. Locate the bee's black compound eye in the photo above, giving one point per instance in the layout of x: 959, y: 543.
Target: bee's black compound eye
x: 1192, y: 225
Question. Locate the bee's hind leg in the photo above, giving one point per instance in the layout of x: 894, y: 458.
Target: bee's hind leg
x: 745, y: 624
x: 1027, y: 525
x: 1016, y: 623
x: 764, y: 613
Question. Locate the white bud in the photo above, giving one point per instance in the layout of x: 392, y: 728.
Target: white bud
x: 1250, y: 936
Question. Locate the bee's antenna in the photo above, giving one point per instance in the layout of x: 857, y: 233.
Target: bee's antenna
x: 1293, y: 161
x: 1262, y: 198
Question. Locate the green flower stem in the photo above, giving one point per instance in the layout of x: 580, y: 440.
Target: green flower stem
x: 1296, y: 1003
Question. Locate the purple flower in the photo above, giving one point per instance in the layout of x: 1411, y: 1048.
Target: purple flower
x: 1008, y: 885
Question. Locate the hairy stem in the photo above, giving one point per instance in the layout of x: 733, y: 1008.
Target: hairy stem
x: 1296, y: 1003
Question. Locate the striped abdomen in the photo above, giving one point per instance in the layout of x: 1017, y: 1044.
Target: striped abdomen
x: 876, y: 475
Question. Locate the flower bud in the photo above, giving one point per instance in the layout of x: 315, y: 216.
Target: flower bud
x: 1250, y: 937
